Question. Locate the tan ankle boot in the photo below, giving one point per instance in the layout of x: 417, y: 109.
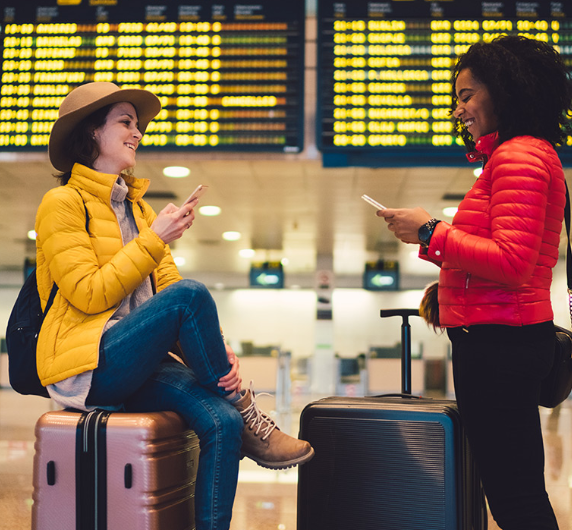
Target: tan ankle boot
x: 264, y: 442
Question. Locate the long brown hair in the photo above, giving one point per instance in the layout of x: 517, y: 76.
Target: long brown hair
x: 82, y: 146
x: 429, y: 307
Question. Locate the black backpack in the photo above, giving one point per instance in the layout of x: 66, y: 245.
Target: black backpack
x: 22, y: 335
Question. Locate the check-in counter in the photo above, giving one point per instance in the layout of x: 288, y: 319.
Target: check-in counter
x: 384, y: 376
x: 4, y: 380
x: 384, y: 369
x: 269, y: 374
x: 351, y: 376
x: 260, y: 369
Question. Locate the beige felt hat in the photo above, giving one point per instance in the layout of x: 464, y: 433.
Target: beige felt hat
x: 88, y: 98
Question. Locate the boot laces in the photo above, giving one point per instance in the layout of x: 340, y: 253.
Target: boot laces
x: 257, y: 419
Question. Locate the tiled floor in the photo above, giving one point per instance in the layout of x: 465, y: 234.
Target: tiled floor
x: 266, y: 500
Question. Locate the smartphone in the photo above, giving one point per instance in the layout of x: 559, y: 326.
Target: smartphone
x: 373, y: 202
x: 199, y: 192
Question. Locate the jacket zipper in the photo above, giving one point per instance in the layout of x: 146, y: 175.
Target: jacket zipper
x: 121, y: 235
x: 467, y: 280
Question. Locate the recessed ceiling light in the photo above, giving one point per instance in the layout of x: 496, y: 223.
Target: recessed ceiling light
x: 209, y: 211
x: 246, y: 253
x: 450, y: 211
x: 32, y: 235
x: 179, y: 261
x: 477, y: 171
x: 284, y: 261
x: 176, y: 172
x: 231, y: 235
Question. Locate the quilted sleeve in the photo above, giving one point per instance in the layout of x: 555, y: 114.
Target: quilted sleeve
x: 73, y: 264
x: 515, y: 218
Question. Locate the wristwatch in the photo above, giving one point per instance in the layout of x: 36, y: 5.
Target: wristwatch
x: 426, y: 231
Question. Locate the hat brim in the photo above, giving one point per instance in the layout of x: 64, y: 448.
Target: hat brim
x: 146, y: 104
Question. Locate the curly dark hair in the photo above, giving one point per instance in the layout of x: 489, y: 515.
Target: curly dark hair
x: 529, y: 87
x: 81, y: 144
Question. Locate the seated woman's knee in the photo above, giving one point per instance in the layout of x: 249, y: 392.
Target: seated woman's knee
x: 190, y: 290
x: 192, y: 285
x: 232, y: 423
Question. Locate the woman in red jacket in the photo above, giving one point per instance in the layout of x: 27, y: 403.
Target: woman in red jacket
x: 510, y: 100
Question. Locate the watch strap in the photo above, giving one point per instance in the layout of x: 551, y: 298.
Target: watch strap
x: 426, y: 231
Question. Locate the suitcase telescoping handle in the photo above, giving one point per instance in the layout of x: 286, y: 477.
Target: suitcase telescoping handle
x: 405, y: 343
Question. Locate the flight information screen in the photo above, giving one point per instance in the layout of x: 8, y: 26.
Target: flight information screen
x: 384, y: 68
x: 230, y: 75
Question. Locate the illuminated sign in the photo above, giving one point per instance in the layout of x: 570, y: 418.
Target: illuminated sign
x: 268, y: 275
x: 382, y: 275
x: 229, y: 74
x: 384, y: 68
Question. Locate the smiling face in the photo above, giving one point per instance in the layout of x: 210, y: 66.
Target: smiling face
x: 117, y: 140
x: 475, y: 107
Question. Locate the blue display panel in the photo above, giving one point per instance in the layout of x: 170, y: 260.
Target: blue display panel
x: 267, y: 275
x: 384, y: 89
x: 230, y: 75
x: 382, y: 275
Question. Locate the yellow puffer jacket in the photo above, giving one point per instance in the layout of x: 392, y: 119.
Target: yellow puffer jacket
x: 94, y: 271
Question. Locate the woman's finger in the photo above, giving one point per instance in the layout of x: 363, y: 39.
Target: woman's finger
x: 187, y: 209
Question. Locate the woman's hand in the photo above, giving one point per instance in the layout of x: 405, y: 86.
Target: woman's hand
x: 405, y: 222
x: 172, y: 221
x: 232, y: 380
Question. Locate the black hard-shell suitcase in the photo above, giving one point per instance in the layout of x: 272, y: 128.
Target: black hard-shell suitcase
x: 392, y: 462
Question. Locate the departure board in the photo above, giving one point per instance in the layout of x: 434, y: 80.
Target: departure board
x: 384, y: 72
x: 230, y: 75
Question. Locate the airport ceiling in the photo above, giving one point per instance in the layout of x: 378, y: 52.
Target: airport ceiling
x: 284, y: 206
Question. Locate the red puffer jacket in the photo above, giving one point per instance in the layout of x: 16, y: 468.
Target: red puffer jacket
x: 497, y: 257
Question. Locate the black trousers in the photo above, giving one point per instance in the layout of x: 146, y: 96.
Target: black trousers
x: 497, y: 371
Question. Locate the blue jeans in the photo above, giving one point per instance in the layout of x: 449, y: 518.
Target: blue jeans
x: 134, y: 369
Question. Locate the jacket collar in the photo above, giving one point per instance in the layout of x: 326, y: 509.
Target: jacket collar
x: 484, y: 148
x: 101, y: 184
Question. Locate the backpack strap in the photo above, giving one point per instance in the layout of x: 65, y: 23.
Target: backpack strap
x: 55, y: 287
x: 50, y: 300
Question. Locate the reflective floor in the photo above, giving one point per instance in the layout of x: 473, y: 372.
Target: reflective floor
x: 266, y: 500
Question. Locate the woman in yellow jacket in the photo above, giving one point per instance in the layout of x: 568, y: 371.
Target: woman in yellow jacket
x: 121, y: 305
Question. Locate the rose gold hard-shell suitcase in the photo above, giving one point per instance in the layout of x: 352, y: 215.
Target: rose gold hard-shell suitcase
x: 114, y: 471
